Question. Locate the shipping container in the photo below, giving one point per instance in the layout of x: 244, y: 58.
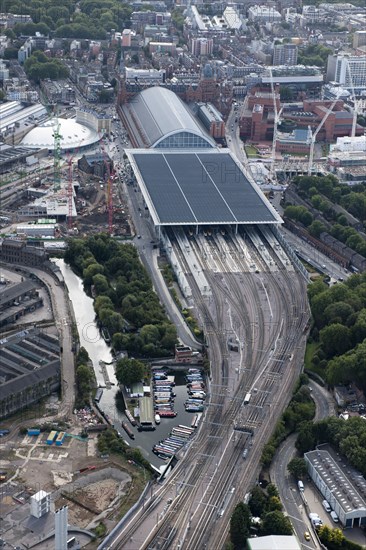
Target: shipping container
x: 51, y: 438
x: 60, y: 438
x: 34, y: 431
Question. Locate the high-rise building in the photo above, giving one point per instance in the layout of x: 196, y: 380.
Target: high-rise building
x: 201, y: 46
x: 285, y: 54
x: 347, y: 70
x: 359, y: 39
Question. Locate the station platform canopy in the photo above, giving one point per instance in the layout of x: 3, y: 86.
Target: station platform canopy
x: 205, y: 187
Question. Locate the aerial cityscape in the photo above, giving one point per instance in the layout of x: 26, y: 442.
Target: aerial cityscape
x: 182, y: 275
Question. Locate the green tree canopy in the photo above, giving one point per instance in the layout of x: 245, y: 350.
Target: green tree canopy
x: 129, y: 371
x: 239, y: 526
x: 297, y: 467
x: 276, y: 523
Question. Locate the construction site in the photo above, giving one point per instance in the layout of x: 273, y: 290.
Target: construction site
x: 73, y: 187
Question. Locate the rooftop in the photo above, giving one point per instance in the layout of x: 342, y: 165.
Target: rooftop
x: 274, y: 542
x: 12, y: 292
x: 205, y: 187
x: 161, y: 113
x: 347, y: 486
x: 73, y: 135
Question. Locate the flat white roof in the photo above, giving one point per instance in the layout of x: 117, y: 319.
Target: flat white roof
x: 274, y: 542
x: 40, y: 495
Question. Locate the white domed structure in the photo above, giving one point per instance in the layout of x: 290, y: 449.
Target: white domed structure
x: 73, y: 135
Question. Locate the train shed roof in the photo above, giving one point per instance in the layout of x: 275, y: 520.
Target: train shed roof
x: 205, y: 187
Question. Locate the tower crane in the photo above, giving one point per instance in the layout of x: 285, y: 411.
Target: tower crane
x: 110, y: 178
x: 277, y: 118
x: 313, y: 136
x: 57, y: 156
x: 70, y: 189
x: 355, y: 101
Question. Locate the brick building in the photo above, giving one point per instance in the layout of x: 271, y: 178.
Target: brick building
x: 257, y: 119
x: 19, y: 252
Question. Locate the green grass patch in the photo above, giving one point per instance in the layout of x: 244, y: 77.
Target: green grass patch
x: 251, y: 151
x: 311, y: 350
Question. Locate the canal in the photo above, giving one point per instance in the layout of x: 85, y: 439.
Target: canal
x: 98, y: 350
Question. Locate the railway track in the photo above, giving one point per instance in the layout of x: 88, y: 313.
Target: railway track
x: 270, y: 359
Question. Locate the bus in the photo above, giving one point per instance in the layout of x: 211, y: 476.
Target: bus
x: 247, y: 398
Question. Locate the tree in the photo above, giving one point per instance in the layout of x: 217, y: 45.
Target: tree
x: 239, y: 526
x: 276, y: 523
x: 129, y: 371
x: 297, y: 467
x: 84, y: 383
x: 272, y: 490
x: 335, y: 339
x: 316, y: 228
x: 274, y: 503
x: 286, y: 93
x: 101, y: 283
x: 90, y: 271
x: 305, y: 438
x: 257, y: 502
x: 83, y: 356
x: 10, y: 53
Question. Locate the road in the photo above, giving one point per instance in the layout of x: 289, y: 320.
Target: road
x: 233, y: 140
x: 315, y: 258
x: 289, y: 493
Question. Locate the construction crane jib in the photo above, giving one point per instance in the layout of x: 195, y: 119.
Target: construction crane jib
x: 313, y: 137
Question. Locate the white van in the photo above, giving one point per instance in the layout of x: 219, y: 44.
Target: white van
x: 300, y: 485
x: 334, y: 517
x: 326, y: 506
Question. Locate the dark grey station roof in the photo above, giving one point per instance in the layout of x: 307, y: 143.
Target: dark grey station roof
x: 198, y: 187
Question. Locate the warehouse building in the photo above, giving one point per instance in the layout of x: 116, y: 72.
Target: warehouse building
x: 11, y: 156
x: 29, y: 369
x: 342, y: 486
x: 16, y: 300
x: 16, y: 251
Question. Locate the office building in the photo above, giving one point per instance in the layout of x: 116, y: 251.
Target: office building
x: 347, y: 70
x: 285, y: 54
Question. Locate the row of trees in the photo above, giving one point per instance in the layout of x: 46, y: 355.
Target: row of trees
x: 323, y: 193
x: 339, y: 329
x: 110, y: 442
x: 263, y: 504
x: 38, y: 67
x: 314, y: 54
x: 334, y: 539
x: 126, y: 303
x: 84, y: 378
x: 348, y: 438
x: 301, y: 409
x: 91, y: 20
